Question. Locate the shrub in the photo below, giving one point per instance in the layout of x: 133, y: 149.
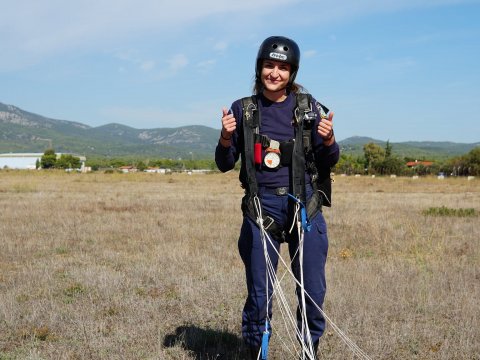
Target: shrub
x: 445, y: 211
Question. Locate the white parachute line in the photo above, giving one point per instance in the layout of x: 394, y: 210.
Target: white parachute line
x: 258, y: 208
x: 264, y: 236
x: 285, y: 309
x: 277, y: 289
x: 289, y: 319
x: 287, y: 316
x: 353, y: 347
x: 307, y: 348
x: 305, y: 329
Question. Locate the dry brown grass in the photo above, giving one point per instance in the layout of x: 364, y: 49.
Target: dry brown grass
x: 144, y: 266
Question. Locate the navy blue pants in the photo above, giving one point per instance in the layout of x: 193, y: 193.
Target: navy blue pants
x: 314, y: 257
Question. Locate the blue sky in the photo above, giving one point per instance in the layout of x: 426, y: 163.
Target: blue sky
x: 391, y: 70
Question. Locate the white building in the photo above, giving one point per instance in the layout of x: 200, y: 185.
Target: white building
x: 27, y: 160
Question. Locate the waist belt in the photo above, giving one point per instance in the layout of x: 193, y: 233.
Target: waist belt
x: 279, y: 191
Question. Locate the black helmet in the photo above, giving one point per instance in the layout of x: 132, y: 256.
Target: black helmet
x: 279, y: 48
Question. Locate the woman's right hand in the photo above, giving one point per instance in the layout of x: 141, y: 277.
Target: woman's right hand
x: 229, y: 124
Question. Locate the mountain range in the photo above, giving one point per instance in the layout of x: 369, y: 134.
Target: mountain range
x: 23, y: 131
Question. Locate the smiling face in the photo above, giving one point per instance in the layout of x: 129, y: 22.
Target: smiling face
x: 275, y: 76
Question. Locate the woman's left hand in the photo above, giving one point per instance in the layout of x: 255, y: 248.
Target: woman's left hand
x: 325, y: 129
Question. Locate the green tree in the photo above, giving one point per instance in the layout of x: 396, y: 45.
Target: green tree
x: 392, y: 165
x: 349, y: 164
x: 116, y: 163
x: 141, y: 166
x: 382, y: 161
x: 388, y: 150
x: 468, y: 164
x: 473, y: 161
x: 374, y: 156
x: 48, y: 160
x: 68, y: 161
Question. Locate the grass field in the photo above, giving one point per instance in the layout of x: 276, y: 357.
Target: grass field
x: 145, y: 266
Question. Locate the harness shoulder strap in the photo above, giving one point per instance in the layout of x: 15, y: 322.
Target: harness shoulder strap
x: 303, y: 101
x: 251, y: 125
x: 321, y: 185
x: 323, y: 180
x: 303, y: 121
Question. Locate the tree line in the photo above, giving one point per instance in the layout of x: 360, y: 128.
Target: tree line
x: 376, y: 160
x: 143, y: 164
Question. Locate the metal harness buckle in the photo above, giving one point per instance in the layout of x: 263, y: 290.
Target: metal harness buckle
x: 267, y: 222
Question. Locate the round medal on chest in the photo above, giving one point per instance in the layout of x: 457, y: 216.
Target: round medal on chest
x: 272, y: 160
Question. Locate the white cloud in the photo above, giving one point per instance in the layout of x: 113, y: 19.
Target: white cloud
x: 177, y: 62
x: 207, y: 65
x: 133, y: 58
x: 171, y: 66
x: 392, y: 64
x: 348, y: 9
x: 152, y: 117
x: 33, y: 30
x: 43, y: 28
x: 220, y: 46
x: 147, y: 65
x: 309, y: 53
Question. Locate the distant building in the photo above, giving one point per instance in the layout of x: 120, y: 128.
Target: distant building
x: 412, y: 164
x: 19, y: 161
x: 157, y: 170
x: 28, y: 160
x: 128, y: 169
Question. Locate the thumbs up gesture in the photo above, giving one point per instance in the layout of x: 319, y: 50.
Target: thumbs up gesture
x: 229, y: 124
x: 325, y: 129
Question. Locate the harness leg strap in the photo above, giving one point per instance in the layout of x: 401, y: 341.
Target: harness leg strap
x: 270, y: 225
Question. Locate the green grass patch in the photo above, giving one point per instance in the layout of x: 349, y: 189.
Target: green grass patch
x: 23, y: 188
x: 5, y: 356
x: 61, y: 250
x: 72, y: 292
x: 445, y: 211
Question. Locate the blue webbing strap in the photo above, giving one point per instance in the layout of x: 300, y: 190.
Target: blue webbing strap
x: 265, y: 339
x: 306, y: 225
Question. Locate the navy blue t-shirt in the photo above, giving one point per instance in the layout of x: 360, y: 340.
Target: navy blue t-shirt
x: 276, y: 123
